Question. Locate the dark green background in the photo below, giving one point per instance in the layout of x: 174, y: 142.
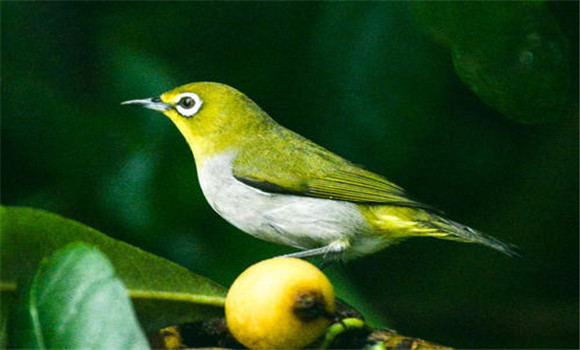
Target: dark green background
x: 361, y: 79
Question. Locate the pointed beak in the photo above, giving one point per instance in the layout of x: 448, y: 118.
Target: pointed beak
x: 153, y: 103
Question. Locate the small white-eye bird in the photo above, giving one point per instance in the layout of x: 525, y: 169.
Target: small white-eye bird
x: 283, y: 188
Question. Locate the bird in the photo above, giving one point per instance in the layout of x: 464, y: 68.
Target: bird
x: 279, y: 186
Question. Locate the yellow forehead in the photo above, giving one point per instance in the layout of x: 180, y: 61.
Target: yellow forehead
x: 172, y: 96
x: 205, y: 90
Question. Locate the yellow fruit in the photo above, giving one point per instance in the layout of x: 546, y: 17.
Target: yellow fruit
x: 280, y: 303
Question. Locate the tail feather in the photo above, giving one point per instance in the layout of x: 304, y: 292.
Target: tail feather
x: 452, y: 230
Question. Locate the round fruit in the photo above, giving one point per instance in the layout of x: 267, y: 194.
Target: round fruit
x: 280, y: 303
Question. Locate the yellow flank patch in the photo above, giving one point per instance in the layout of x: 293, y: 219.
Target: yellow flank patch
x: 398, y: 222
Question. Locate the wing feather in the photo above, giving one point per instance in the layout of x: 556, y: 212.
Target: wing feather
x: 306, y: 169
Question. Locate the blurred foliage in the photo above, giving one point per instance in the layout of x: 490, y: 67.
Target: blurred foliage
x: 360, y: 78
x: 513, y: 55
x: 69, y: 302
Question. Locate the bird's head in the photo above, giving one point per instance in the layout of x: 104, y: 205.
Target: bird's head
x: 211, y: 116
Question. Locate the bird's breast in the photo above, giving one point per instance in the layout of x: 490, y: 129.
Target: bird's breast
x: 293, y: 220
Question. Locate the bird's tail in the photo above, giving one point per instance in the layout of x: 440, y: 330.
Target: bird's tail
x: 451, y: 230
x: 400, y: 223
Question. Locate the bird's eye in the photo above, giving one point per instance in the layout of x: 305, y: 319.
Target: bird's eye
x: 188, y: 104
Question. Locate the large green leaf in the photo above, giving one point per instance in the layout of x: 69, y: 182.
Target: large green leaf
x: 163, y: 292
x: 75, y: 301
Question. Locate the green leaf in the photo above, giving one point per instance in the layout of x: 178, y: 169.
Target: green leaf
x: 513, y: 55
x: 163, y: 292
x: 75, y: 301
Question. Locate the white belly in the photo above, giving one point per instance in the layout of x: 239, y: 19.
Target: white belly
x: 297, y: 221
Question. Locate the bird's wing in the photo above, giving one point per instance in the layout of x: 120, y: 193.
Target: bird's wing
x: 306, y: 169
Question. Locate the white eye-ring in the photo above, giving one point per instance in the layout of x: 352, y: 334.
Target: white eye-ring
x: 188, y: 104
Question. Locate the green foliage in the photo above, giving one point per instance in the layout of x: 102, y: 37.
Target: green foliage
x: 163, y: 292
x: 76, y: 301
x: 513, y: 55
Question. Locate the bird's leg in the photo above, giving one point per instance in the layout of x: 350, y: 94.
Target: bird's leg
x: 307, y: 253
x: 331, y: 252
